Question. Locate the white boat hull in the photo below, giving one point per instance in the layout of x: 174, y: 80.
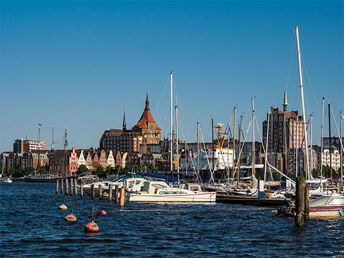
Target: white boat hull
x: 196, y: 197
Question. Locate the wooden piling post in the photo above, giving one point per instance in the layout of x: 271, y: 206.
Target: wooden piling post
x: 116, y: 194
x: 122, y: 198
x: 57, y: 186
x: 81, y: 189
x: 61, y: 185
x: 75, y: 187
x: 92, y: 191
x: 300, y: 202
x: 66, y: 180
x: 110, y: 192
x: 100, y: 191
x: 306, y: 201
x: 71, y: 186
x: 338, y: 187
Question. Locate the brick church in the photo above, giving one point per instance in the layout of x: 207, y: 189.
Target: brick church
x: 145, y: 131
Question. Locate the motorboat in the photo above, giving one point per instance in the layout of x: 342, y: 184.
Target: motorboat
x: 5, y: 179
x: 159, y: 192
x: 326, y: 205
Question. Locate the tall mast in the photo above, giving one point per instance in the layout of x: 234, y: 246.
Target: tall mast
x: 233, y: 167
x: 297, y: 147
x: 266, y: 147
x: 321, y: 139
x: 330, y: 138
x: 39, y: 145
x: 311, y: 146
x: 198, y: 148
x: 52, y: 137
x: 341, y: 151
x: 171, y: 124
x: 239, y: 147
x: 212, y: 142
x: 253, y: 143
x: 302, y: 101
x: 177, y: 146
x: 65, y: 152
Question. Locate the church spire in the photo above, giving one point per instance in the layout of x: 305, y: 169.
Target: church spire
x: 147, y: 102
x: 285, y: 102
x: 124, y: 123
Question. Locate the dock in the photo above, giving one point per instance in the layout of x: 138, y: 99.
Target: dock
x: 251, y: 200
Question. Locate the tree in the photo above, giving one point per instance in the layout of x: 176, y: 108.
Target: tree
x: 100, y: 172
x: 118, y: 170
x: 109, y: 170
x: 29, y: 170
x: 81, y: 170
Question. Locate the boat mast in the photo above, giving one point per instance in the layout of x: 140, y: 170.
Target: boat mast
x: 253, y: 143
x: 177, y: 146
x: 65, y: 153
x: 52, y: 137
x: 239, y: 148
x: 297, y: 147
x: 171, y: 124
x: 341, y: 151
x: 311, y: 146
x: 233, y: 167
x: 212, y: 141
x: 321, y: 139
x: 198, y: 141
x: 330, y: 138
x: 266, y: 147
x: 302, y: 101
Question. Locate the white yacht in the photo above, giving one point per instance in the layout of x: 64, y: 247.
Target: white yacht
x: 161, y: 192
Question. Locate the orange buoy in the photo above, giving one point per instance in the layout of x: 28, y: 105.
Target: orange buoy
x: 102, y: 212
x: 70, y: 218
x: 63, y: 206
x: 91, y: 227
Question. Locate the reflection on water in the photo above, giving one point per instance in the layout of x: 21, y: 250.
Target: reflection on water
x: 32, y: 224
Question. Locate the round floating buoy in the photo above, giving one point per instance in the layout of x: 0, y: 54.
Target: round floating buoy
x: 91, y: 227
x: 63, y: 206
x: 102, y: 212
x: 70, y: 218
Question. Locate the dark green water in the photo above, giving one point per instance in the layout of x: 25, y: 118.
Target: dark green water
x: 31, y: 224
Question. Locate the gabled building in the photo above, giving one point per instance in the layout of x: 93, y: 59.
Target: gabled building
x: 103, y: 159
x: 73, y: 162
x: 110, y: 159
x: 82, y: 160
x: 89, y: 161
x: 95, y: 160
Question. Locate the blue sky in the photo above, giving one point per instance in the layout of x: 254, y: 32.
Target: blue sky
x: 82, y: 64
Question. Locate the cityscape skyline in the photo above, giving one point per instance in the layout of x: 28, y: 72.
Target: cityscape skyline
x: 87, y: 63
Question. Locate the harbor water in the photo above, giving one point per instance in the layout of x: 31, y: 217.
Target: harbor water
x: 32, y: 224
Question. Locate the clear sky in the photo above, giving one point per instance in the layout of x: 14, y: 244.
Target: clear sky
x: 82, y: 64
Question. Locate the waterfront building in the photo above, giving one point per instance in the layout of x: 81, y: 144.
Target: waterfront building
x: 40, y: 159
x: 95, y: 160
x: 118, y: 159
x: 325, y: 158
x: 110, y: 159
x: 335, y: 142
x: 146, y: 131
x: 89, y: 163
x: 21, y: 145
x: 103, y: 159
x: 81, y: 160
x: 73, y: 162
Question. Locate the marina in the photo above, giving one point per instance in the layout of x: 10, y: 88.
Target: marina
x: 205, y: 230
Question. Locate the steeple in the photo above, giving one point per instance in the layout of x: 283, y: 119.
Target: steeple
x: 285, y: 102
x: 124, y: 123
x: 147, y: 102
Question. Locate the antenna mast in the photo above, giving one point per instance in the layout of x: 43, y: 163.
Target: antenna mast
x: 171, y: 124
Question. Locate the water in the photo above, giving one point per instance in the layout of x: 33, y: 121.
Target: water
x: 31, y: 224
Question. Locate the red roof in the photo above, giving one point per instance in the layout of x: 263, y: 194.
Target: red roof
x: 146, y: 118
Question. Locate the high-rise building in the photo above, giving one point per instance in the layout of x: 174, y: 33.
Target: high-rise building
x: 285, y: 129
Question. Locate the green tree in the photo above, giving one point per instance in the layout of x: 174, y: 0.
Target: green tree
x: 100, y: 172
x: 118, y: 170
x: 81, y: 170
x: 29, y: 170
x: 109, y: 170
x: 17, y: 171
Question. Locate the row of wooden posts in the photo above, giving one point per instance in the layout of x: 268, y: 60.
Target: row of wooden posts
x: 119, y: 193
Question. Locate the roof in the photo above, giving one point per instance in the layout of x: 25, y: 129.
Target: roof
x: 146, y: 118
